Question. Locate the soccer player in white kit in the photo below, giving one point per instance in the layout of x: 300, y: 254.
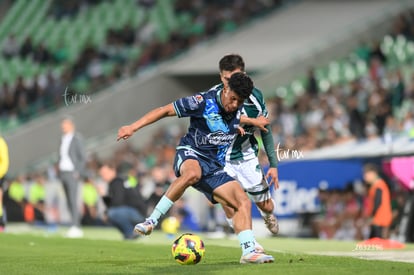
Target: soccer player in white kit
x: 242, y: 157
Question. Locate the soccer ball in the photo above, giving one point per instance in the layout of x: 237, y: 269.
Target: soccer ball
x: 188, y: 249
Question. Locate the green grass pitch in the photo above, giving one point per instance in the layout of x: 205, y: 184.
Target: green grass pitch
x: 103, y: 252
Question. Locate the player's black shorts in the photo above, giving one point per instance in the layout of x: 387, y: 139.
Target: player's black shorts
x: 1, y: 183
x: 212, y: 174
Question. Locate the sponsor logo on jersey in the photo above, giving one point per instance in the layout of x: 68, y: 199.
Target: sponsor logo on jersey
x: 190, y: 153
x: 216, y: 138
x: 198, y: 98
x: 194, y: 101
x: 220, y: 138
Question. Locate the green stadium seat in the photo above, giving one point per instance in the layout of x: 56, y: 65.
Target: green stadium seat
x: 162, y: 31
x: 298, y: 87
x: 410, y: 50
x: 137, y: 17
x: 349, y: 72
x: 324, y: 85
x: 361, y: 67
x: 167, y: 14
x: 81, y: 85
x: 108, y: 67
x: 135, y: 52
x: 11, y: 18
x: 44, y: 31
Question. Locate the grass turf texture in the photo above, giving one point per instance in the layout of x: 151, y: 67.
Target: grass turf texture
x: 102, y: 252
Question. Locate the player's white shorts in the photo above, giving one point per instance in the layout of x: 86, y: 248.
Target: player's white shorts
x: 250, y: 175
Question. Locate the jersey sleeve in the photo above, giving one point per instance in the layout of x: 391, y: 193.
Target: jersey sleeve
x: 269, y: 146
x: 260, y: 99
x: 189, y: 106
x: 267, y: 137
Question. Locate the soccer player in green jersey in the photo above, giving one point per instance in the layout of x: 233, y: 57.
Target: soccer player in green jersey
x: 242, y: 157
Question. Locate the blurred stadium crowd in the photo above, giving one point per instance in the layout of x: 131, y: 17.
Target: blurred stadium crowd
x: 329, y: 107
x: 345, y: 216
x: 40, y: 69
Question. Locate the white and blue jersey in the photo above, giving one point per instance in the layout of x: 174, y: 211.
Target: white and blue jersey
x: 211, y: 129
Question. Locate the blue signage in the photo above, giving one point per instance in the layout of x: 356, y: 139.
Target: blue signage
x: 299, y: 182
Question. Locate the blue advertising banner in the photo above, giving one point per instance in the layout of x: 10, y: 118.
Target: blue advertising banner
x: 299, y: 182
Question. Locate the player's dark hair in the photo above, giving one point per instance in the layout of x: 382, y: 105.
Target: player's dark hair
x: 241, y: 84
x: 231, y: 62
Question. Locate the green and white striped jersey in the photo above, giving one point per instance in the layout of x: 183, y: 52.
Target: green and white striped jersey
x: 246, y: 147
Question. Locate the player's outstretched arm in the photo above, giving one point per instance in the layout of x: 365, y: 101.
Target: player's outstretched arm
x: 260, y: 122
x: 269, y: 146
x: 156, y: 114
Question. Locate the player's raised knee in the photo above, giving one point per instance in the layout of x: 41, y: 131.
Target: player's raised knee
x: 191, y: 177
x: 244, y: 202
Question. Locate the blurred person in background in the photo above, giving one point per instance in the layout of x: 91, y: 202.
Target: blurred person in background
x: 379, y: 202
x: 4, y: 167
x: 398, y: 202
x: 36, y: 199
x: 312, y: 83
x: 15, y: 199
x: 72, y: 164
x: 90, y: 200
x: 161, y: 183
x: 10, y: 47
x: 333, y: 208
x: 185, y: 215
x: 124, y: 202
x: 349, y: 215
